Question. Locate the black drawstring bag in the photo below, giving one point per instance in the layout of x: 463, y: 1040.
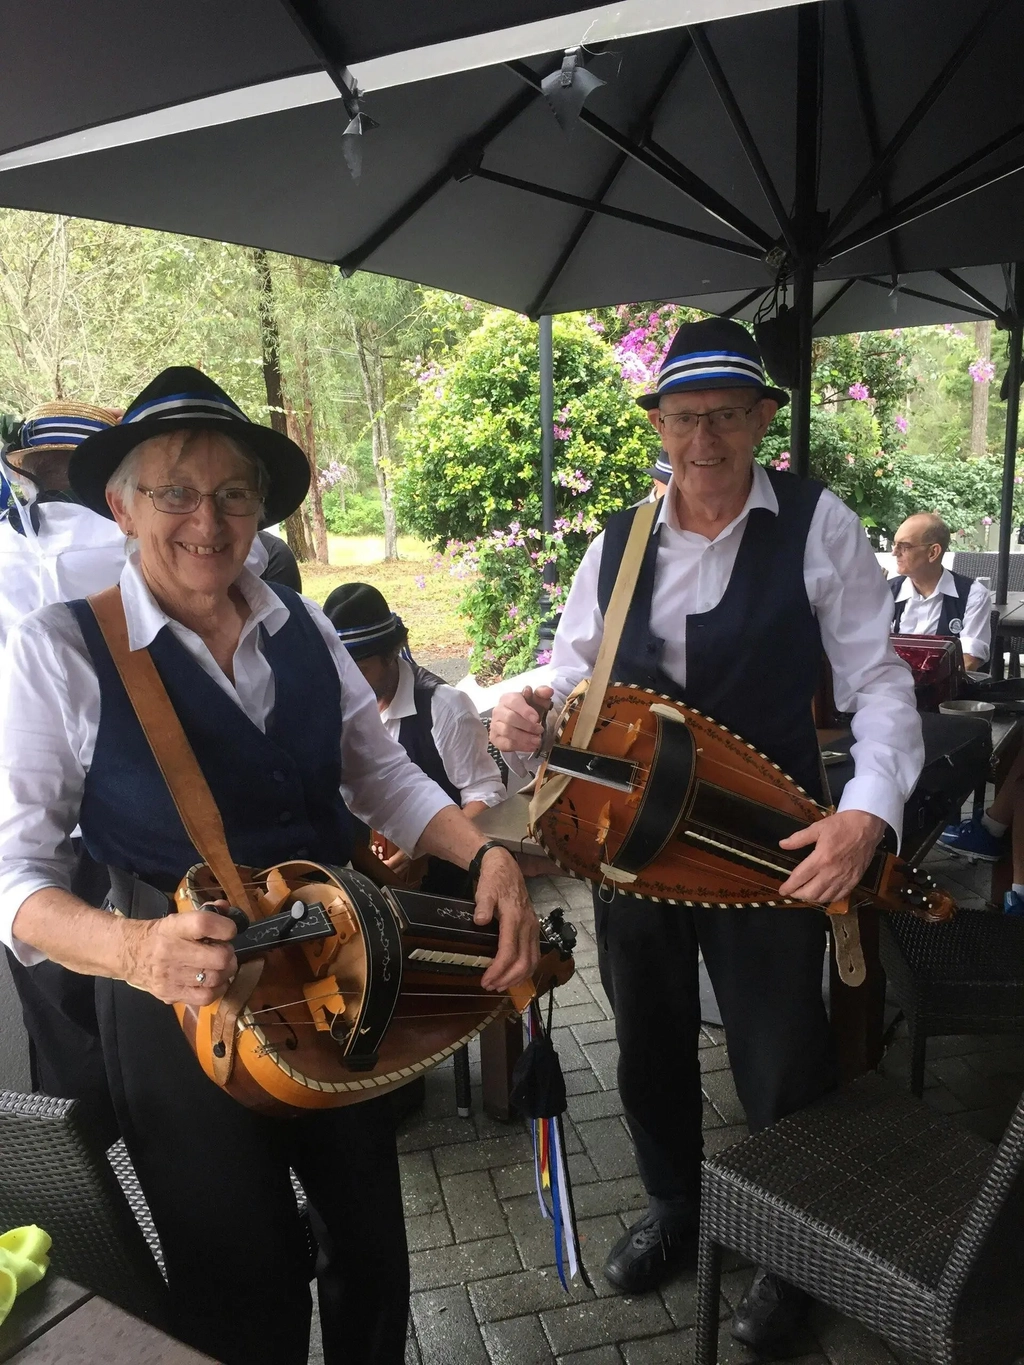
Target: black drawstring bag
x: 538, y: 1086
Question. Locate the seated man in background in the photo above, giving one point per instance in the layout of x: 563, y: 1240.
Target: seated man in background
x: 932, y: 600
x: 436, y: 724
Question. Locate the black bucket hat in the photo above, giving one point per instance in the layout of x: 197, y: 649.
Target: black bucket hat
x: 365, y: 623
x: 716, y: 353
x: 184, y: 398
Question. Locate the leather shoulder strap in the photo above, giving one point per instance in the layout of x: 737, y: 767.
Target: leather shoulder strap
x: 171, y: 749
x: 547, y: 794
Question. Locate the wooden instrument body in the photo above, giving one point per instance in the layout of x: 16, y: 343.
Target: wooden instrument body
x: 722, y: 813
x: 300, y: 1005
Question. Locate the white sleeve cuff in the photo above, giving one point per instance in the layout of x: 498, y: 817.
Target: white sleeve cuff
x: 975, y: 647
x: 878, y: 797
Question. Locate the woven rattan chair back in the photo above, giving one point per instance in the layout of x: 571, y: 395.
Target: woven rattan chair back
x: 53, y: 1172
x: 982, y: 1286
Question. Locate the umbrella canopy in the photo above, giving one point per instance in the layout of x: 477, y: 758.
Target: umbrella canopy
x: 874, y: 303
x: 851, y: 138
x: 75, y: 74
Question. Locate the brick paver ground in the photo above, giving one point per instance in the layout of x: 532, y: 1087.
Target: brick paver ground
x: 485, y: 1291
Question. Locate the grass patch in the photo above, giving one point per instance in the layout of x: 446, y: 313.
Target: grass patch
x: 426, y: 599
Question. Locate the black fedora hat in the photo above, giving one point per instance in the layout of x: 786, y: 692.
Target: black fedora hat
x: 365, y: 623
x: 184, y: 398
x: 716, y: 353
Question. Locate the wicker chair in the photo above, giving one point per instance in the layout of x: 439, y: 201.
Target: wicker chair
x: 890, y: 1213
x: 54, y: 1172
x: 966, y: 976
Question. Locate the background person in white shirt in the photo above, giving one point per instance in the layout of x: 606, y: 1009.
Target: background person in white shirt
x: 932, y: 600
x: 437, y: 725
x: 289, y: 740
x: 53, y: 549
x: 748, y: 576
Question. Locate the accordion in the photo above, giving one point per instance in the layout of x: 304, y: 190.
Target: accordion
x: 937, y: 663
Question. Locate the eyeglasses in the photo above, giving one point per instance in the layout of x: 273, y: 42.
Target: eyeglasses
x: 178, y: 500
x: 720, y: 421
x: 902, y: 546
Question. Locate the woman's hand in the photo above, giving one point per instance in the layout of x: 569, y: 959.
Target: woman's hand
x: 501, y: 891
x: 165, y: 956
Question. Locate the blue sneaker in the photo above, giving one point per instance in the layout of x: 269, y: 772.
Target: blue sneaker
x: 973, y: 840
x: 1013, y: 904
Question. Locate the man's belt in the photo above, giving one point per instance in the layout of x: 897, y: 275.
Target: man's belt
x: 135, y: 898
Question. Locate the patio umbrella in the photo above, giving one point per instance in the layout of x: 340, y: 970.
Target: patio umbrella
x: 860, y: 139
x: 86, y: 76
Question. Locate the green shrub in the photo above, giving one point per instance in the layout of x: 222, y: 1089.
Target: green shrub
x: 472, y: 460
x: 362, y: 514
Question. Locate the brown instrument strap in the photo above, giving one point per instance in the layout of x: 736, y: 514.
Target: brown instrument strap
x: 178, y: 764
x: 614, y: 623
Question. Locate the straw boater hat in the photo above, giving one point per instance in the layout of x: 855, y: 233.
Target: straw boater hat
x: 50, y: 434
x: 714, y: 354
x: 365, y: 623
x: 184, y: 398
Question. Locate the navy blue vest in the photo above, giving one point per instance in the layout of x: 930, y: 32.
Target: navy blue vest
x: 954, y: 609
x: 753, y: 661
x: 415, y: 733
x: 278, y: 793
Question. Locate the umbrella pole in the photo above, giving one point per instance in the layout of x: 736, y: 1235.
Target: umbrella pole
x: 1010, y: 439
x: 547, y: 471
x: 800, y: 400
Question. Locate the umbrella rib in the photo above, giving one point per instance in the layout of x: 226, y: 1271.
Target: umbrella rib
x: 625, y: 215
x: 910, y: 211
x: 647, y: 114
x: 870, y: 182
x: 743, y: 302
x: 965, y: 287
x: 662, y: 164
x: 320, y: 44
x: 742, y: 130
x: 869, y: 114
x: 920, y: 294
x: 453, y: 167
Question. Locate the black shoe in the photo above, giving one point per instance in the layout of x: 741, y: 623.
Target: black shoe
x: 770, y: 1311
x: 647, y: 1254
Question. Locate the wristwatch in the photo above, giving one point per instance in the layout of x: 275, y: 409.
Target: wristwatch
x: 478, y: 857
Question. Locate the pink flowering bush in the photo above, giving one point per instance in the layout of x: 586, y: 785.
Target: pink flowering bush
x: 504, y: 573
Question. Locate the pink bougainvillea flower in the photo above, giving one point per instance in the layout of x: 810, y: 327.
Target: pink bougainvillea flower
x: 543, y: 656
x: 982, y: 371
x: 986, y: 521
x: 908, y: 483
x: 851, y: 459
x: 901, y: 422
x: 420, y: 581
x: 859, y: 391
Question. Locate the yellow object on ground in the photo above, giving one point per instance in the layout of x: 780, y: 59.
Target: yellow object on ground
x: 24, y: 1260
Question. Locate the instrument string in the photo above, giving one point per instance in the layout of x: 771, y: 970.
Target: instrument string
x: 496, y: 996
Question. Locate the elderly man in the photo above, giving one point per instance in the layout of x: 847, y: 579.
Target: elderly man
x: 932, y: 600
x: 749, y: 574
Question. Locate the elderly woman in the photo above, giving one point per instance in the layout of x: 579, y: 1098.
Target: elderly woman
x: 289, y: 740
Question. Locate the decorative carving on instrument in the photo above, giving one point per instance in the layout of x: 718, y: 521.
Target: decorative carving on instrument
x: 666, y: 804
x: 346, y: 989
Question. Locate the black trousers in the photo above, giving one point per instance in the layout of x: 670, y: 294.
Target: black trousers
x: 215, y: 1175
x: 59, y: 1011
x: 765, y: 965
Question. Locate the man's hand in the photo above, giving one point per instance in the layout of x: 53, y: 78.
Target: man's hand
x: 501, y: 891
x: 844, y: 845
x: 517, y: 723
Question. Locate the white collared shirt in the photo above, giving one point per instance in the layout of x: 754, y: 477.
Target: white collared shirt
x: 459, y: 736
x: 921, y: 614
x: 50, y: 712
x: 849, y: 597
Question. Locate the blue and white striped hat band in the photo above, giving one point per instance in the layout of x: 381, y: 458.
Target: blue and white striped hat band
x: 694, y: 370
x: 62, y: 426
x: 377, y: 631
x: 173, y: 407
x: 661, y: 469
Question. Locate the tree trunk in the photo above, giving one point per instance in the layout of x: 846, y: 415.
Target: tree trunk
x: 371, y: 368
x: 302, y: 433
x: 979, y: 392
x: 270, y: 339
